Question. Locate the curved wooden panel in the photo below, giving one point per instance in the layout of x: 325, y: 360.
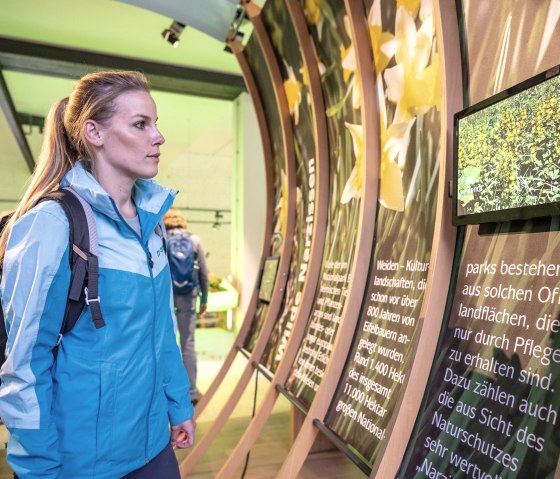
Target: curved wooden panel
x: 276, y: 18
x: 329, y: 29
x: 507, y: 32
x: 441, y: 260
x: 277, y: 297
x: 288, y: 141
x: 308, y: 432
x: 237, y: 49
x: 321, y: 205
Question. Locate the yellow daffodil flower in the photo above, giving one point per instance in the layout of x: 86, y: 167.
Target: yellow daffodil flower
x: 305, y: 79
x: 411, y: 5
x: 293, y: 88
x: 395, y: 140
x: 350, y: 69
x: 413, y: 84
x: 353, y: 187
x: 282, y: 205
x: 383, y: 43
x: 315, y: 12
x: 312, y: 10
x: 391, y: 194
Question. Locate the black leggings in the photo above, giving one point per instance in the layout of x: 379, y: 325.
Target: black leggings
x: 163, y: 466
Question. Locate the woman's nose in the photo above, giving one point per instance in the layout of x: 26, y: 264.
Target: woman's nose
x: 158, y: 138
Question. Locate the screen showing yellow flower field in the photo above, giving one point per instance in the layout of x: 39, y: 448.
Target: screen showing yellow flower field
x: 507, y: 154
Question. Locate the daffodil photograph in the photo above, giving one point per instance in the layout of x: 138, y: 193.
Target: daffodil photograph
x: 508, y: 153
x: 329, y: 28
x: 408, y: 88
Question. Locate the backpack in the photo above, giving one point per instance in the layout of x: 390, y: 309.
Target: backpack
x: 183, y: 263
x: 83, y: 264
x: 3, y: 333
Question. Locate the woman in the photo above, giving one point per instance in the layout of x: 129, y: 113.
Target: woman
x: 103, y: 408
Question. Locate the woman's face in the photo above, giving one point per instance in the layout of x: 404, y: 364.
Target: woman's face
x: 130, y: 140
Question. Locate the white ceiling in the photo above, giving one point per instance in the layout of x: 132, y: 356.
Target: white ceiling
x: 112, y: 27
x: 193, y: 126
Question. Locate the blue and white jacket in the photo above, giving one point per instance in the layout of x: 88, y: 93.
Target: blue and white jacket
x: 103, y: 408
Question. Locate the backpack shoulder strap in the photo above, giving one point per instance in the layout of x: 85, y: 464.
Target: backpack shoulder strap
x: 194, y: 246
x: 159, y: 231
x: 84, y: 263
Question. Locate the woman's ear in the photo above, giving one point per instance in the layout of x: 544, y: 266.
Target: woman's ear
x: 93, y: 133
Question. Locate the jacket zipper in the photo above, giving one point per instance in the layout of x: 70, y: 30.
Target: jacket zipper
x: 150, y: 264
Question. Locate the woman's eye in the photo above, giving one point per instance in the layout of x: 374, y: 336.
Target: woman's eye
x: 140, y: 124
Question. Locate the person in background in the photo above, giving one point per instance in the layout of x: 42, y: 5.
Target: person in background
x: 115, y: 401
x: 185, y: 301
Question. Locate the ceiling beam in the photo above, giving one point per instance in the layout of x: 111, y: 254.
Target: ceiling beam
x: 65, y: 62
x: 11, y: 115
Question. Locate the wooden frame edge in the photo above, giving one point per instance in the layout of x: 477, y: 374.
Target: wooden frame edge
x: 443, y: 244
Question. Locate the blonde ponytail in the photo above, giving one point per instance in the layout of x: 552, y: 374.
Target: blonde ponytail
x: 55, y: 159
x: 93, y: 97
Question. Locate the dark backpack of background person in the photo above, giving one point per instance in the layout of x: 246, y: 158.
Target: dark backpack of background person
x: 182, y: 262
x: 3, y: 334
x: 83, y: 264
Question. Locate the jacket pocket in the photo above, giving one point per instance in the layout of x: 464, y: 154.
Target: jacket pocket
x: 84, y: 391
x: 108, y: 392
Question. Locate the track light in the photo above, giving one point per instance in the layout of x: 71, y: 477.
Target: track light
x: 173, y: 33
x: 236, y: 34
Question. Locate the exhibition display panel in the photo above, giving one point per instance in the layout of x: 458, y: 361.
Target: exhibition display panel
x: 293, y: 328
x: 490, y: 404
x: 268, y: 81
x: 257, y: 63
x: 490, y: 408
x: 432, y: 354
x: 276, y: 19
x: 379, y: 362
x: 342, y: 102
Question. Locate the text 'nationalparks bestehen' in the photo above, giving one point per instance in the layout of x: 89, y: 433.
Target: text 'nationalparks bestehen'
x: 493, y: 313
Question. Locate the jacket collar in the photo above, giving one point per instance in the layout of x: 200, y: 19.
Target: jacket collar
x: 152, y: 200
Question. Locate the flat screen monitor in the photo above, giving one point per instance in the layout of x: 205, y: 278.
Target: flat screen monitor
x: 507, y: 154
x: 268, y: 278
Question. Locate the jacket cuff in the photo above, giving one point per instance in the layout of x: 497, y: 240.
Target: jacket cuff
x: 179, y: 415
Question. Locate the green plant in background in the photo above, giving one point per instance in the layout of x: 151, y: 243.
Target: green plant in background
x: 508, y: 154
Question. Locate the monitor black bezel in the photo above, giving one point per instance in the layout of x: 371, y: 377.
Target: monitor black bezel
x: 517, y: 213
x: 268, y: 259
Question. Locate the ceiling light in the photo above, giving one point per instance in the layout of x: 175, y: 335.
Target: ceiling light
x: 173, y: 33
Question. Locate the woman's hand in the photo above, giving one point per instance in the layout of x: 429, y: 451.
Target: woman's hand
x: 182, y: 435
